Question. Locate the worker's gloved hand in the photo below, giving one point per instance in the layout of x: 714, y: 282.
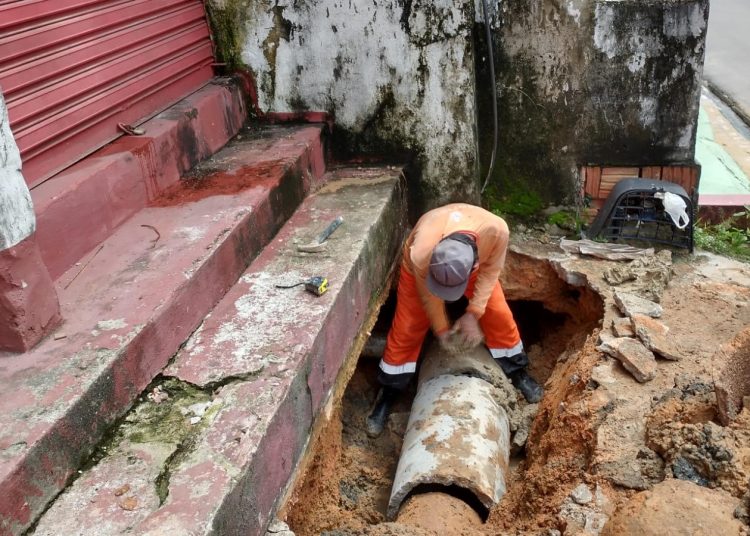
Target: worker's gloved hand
x: 451, y: 342
x: 469, y: 331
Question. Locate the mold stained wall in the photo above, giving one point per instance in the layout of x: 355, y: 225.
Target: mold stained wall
x: 397, y: 75
x: 609, y: 82
x: 17, y: 220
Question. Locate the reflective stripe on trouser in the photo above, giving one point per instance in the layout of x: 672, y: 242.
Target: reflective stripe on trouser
x: 410, y: 326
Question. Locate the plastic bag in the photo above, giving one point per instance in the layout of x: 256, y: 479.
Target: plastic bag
x: 675, y: 206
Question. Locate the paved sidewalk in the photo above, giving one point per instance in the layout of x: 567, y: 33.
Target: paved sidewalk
x: 726, y: 67
x: 723, y: 151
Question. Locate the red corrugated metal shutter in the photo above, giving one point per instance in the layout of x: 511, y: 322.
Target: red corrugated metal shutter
x: 71, y: 70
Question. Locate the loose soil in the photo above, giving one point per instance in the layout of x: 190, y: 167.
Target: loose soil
x: 596, y: 429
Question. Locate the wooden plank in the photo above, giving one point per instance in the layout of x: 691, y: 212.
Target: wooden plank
x: 621, y: 171
x: 593, y: 177
x: 651, y: 172
x: 685, y: 176
x: 612, y: 175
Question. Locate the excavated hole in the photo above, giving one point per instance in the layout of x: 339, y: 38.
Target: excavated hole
x: 346, y: 483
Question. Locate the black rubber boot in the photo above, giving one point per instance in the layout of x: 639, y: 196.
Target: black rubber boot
x: 379, y: 416
x: 528, y: 386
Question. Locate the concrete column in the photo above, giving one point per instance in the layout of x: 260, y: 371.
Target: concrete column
x: 28, y: 300
x: 607, y: 82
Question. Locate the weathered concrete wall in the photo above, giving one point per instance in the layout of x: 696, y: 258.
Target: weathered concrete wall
x: 607, y: 82
x: 398, y: 75
x: 16, y: 211
x: 611, y: 82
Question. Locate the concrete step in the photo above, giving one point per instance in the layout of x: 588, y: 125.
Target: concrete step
x: 81, y: 206
x: 132, y: 301
x: 210, y: 447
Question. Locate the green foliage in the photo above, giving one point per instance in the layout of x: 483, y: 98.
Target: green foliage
x: 228, y: 31
x: 730, y: 237
x: 515, y: 200
x: 565, y: 219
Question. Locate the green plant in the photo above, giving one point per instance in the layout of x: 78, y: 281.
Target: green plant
x: 515, y: 200
x: 730, y: 237
x: 565, y: 219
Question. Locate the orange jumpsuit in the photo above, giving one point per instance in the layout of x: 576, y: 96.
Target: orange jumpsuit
x: 417, y: 310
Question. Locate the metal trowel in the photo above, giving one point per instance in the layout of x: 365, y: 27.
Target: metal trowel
x: 319, y: 243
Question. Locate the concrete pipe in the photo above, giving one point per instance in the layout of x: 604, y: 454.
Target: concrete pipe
x: 477, y: 363
x: 458, y: 435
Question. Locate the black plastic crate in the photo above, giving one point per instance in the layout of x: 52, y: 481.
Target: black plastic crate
x: 634, y: 212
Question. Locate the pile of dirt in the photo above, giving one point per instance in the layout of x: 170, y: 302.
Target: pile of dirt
x: 558, y: 451
x: 683, y: 431
x: 676, y: 508
x: 456, y: 517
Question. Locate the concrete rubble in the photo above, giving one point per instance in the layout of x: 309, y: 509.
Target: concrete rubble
x: 646, y: 276
x: 278, y: 528
x: 634, y: 356
x: 581, y: 494
x: 630, y: 304
x: 584, y: 512
x: 622, y: 327
x: 655, y: 336
x: 681, y: 429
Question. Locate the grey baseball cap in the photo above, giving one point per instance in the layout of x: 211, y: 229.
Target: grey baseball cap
x: 450, y: 267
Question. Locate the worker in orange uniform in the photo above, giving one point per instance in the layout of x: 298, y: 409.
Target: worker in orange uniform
x: 453, y: 251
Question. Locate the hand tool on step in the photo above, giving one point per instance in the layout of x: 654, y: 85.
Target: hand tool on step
x: 319, y: 243
x: 317, y: 285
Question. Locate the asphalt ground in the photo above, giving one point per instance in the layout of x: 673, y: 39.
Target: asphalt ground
x: 727, y: 65
x: 723, y: 139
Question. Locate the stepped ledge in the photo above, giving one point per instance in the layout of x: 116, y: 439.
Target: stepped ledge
x: 133, y: 300
x: 211, y: 447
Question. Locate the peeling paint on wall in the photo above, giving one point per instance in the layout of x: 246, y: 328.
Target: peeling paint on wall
x: 17, y: 220
x: 397, y: 75
x: 605, y: 40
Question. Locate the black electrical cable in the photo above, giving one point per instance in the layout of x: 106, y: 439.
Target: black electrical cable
x: 292, y: 286
x: 491, y: 57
